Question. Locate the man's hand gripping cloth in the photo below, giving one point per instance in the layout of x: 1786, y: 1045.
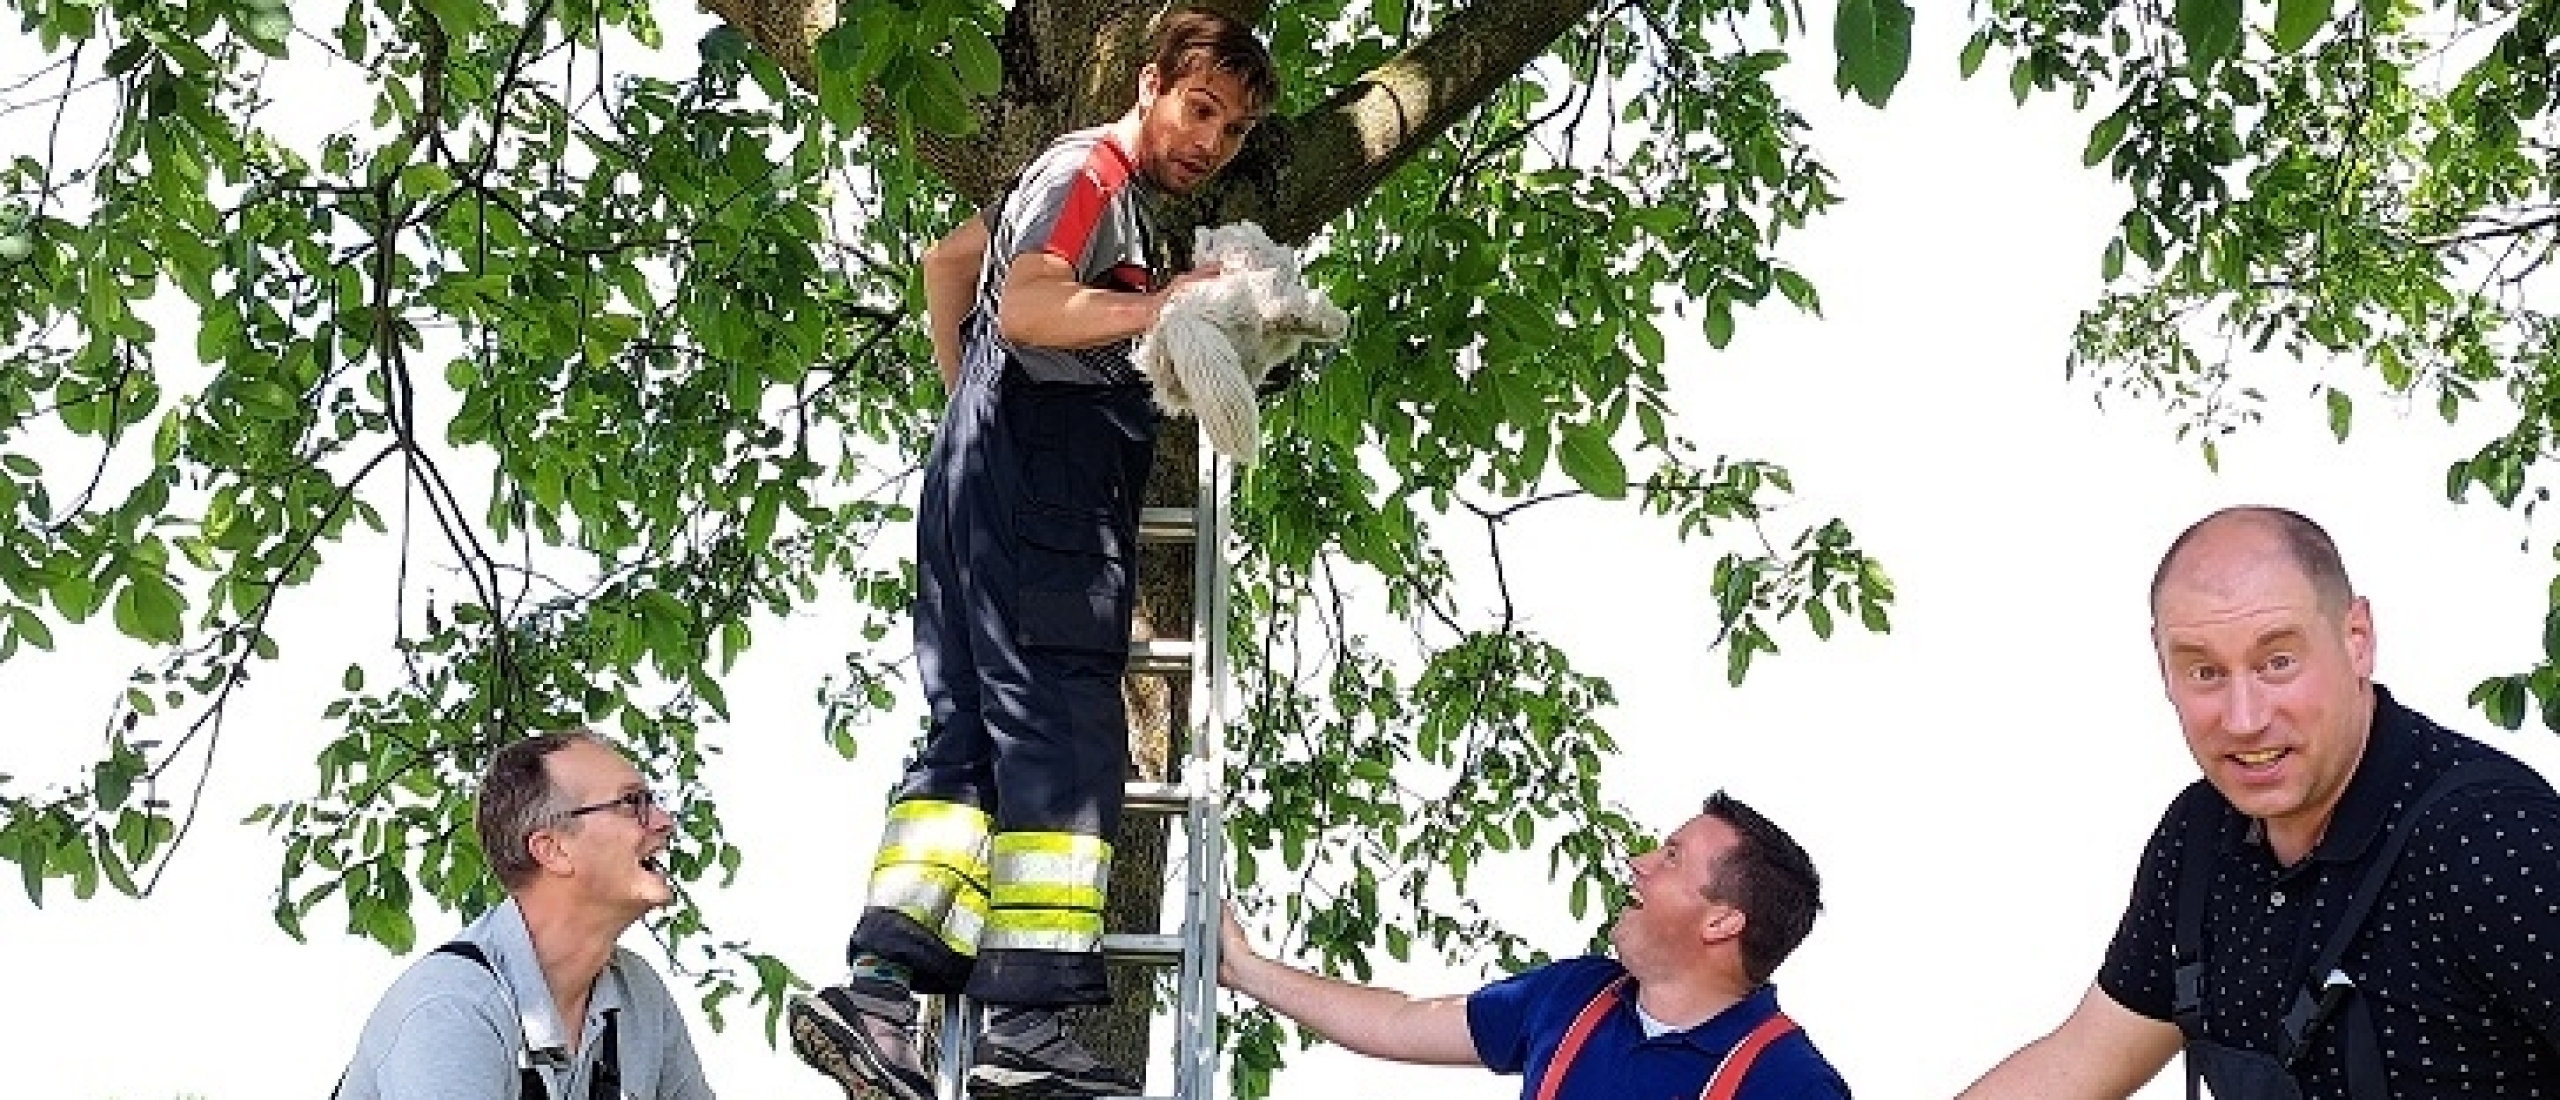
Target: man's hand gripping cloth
x: 1219, y: 337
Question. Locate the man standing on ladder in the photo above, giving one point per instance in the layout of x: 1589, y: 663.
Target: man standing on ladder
x: 990, y: 875
x: 1684, y: 1010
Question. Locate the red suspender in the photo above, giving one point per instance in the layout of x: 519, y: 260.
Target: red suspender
x: 1727, y: 1082
x: 1724, y: 1084
x: 1574, y: 1036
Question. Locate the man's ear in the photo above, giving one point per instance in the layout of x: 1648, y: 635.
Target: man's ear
x: 547, y: 851
x: 1150, y: 84
x: 1725, y: 925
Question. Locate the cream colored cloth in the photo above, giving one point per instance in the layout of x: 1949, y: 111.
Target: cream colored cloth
x: 1217, y: 339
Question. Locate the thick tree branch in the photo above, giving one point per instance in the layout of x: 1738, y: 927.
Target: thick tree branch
x: 1301, y: 174
x: 1341, y: 149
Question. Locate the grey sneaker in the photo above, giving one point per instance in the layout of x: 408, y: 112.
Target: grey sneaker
x: 1024, y: 1054
x: 862, y: 1034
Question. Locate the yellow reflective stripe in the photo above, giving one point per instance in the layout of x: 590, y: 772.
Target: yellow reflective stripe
x: 924, y: 893
x: 966, y: 923
x: 932, y: 859
x: 936, y: 826
x: 1050, y: 860
x: 1037, y: 895
x: 1042, y: 930
x: 968, y: 862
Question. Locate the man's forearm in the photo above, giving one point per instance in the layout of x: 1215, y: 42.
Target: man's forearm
x: 1380, y: 1023
x: 1045, y: 307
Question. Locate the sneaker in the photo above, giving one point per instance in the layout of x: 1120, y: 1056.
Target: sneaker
x: 1025, y: 1053
x: 862, y: 1034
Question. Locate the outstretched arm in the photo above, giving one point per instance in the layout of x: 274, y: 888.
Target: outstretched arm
x: 2104, y: 1051
x: 1380, y: 1023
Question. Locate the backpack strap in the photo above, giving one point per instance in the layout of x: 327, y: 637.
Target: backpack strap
x: 1726, y: 1083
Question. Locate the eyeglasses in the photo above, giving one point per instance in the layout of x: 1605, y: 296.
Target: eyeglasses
x: 638, y: 803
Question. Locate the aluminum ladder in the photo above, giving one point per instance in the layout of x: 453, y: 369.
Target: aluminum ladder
x: 1195, y: 797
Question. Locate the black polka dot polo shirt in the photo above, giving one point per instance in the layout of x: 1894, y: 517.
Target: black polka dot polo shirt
x: 2459, y: 960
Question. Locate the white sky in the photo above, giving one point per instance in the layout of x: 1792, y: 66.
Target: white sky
x: 1973, y: 786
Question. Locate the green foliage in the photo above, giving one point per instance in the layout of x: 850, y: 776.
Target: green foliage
x: 1873, y: 41
x: 2367, y: 184
x: 620, y: 308
x: 628, y: 363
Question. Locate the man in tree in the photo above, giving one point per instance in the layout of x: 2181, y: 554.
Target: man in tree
x: 991, y: 869
x: 2353, y: 902
x: 1685, y: 1009
x: 577, y: 841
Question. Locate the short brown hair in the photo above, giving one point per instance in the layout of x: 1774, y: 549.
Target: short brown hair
x: 1768, y: 876
x: 516, y: 798
x: 1189, y: 39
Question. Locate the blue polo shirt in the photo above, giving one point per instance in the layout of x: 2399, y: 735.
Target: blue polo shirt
x: 1518, y: 1023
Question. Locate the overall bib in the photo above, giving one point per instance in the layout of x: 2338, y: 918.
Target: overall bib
x: 2326, y: 993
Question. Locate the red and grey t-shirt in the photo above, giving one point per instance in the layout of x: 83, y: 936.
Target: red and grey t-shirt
x: 1083, y: 201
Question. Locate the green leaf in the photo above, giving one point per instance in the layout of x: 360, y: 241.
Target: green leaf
x: 458, y: 17
x: 2298, y: 20
x: 937, y: 100
x: 2212, y: 31
x: 2342, y: 410
x: 2106, y: 135
x: 2502, y: 700
x: 1592, y: 463
x: 1872, y: 39
x: 1975, y: 49
x: 148, y: 609
x: 1718, y: 322
x: 974, y: 58
x: 267, y: 29
x: 723, y: 44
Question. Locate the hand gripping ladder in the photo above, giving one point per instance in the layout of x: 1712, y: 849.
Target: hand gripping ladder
x: 1195, y: 797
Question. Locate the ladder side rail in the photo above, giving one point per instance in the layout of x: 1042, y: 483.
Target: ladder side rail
x: 1196, y: 1002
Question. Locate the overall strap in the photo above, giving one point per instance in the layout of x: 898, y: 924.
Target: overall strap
x: 2195, y: 880
x: 607, y: 1083
x: 2328, y: 987
x: 1576, y: 1035
x: 530, y: 1085
x: 1726, y: 1083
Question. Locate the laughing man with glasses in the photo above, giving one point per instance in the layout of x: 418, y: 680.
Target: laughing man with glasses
x: 534, y: 1000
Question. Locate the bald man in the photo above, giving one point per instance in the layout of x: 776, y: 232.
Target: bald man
x: 2352, y: 902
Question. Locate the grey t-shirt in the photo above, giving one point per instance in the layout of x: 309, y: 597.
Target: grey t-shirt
x: 1083, y: 201
x: 448, y: 1029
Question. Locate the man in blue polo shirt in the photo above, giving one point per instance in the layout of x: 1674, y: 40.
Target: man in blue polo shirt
x: 1684, y: 1010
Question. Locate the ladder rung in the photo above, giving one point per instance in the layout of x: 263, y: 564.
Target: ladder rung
x: 1162, y: 655
x: 1154, y: 948
x: 1157, y: 798
x: 1167, y: 524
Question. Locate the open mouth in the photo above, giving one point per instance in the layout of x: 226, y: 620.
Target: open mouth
x: 2260, y: 758
x: 655, y: 863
